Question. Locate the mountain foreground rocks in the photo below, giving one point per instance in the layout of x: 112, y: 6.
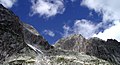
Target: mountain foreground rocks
x: 21, y: 44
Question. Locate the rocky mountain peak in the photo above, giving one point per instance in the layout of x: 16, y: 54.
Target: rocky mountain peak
x: 21, y: 44
x: 107, y: 50
x: 74, y: 42
x: 17, y: 37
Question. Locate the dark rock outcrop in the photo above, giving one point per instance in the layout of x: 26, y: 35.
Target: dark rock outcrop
x: 11, y: 37
x: 20, y: 41
x: 15, y: 36
x: 107, y: 50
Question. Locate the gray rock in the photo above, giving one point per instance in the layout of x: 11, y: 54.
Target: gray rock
x: 106, y: 50
x: 21, y: 44
x: 18, y: 39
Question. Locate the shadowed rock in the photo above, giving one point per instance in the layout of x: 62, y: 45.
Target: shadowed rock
x: 20, y: 43
x: 15, y: 36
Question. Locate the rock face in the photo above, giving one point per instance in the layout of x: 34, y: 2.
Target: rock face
x: 31, y: 36
x: 18, y: 38
x: 21, y: 44
x: 10, y: 34
x: 73, y: 42
x: 107, y: 50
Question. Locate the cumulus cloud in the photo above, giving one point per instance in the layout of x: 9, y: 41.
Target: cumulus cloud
x: 110, y: 9
x: 110, y: 33
x: 47, y: 8
x: 49, y: 32
x: 84, y: 27
x: 8, y: 3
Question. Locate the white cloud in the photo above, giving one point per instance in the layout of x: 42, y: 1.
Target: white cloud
x: 84, y: 27
x: 110, y: 9
x: 110, y: 33
x: 47, y: 7
x: 67, y: 30
x: 8, y: 3
x: 49, y: 32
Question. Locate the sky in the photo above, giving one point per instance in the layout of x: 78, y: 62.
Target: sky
x: 55, y: 19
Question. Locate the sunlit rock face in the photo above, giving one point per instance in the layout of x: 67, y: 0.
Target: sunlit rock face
x: 31, y: 36
x: 73, y: 42
x: 107, y: 50
x: 21, y: 44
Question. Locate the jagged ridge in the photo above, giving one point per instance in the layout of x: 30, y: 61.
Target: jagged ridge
x: 20, y: 41
x: 15, y: 37
x: 107, y: 50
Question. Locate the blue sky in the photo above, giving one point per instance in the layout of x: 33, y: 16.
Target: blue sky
x: 55, y: 19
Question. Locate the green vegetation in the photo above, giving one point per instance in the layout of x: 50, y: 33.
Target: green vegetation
x: 61, y: 59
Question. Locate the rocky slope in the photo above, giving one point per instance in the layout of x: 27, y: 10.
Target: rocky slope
x: 107, y: 50
x: 17, y: 37
x: 21, y: 44
x: 73, y: 42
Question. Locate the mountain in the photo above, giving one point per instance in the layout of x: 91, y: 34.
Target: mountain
x: 17, y: 38
x: 21, y: 44
x: 107, y: 50
x: 73, y: 42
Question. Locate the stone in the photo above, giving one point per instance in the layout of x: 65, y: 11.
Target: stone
x: 21, y: 44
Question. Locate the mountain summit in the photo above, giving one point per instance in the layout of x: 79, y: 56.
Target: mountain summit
x: 107, y: 50
x: 21, y: 44
x: 18, y: 39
